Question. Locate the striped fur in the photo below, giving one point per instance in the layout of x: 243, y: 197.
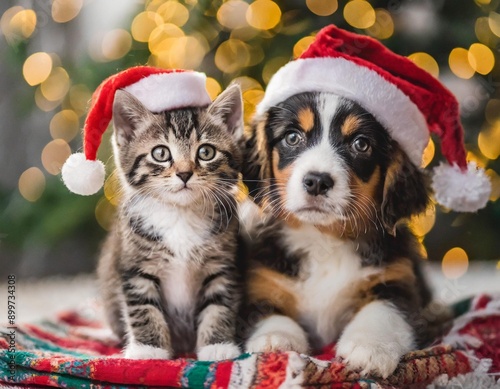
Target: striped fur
x: 332, y: 252
x: 168, y: 271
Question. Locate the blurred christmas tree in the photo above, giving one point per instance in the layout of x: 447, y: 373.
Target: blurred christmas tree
x: 54, y: 54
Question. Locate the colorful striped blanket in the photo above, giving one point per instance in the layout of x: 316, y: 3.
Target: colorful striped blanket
x: 73, y: 351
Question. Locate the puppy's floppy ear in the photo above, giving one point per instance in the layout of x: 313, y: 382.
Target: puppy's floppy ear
x: 257, y: 156
x: 406, y: 191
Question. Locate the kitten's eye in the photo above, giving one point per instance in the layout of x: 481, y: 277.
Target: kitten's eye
x: 293, y: 138
x: 361, y: 145
x: 161, y: 153
x: 206, y: 152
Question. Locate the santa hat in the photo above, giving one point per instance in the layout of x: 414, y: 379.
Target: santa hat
x: 157, y: 89
x: 407, y: 100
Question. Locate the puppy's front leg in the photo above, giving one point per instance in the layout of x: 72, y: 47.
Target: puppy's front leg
x: 277, y: 333
x: 375, y: 339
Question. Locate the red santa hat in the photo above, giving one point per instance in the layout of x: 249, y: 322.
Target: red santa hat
x: 157, y: 89
x: 407, y: 100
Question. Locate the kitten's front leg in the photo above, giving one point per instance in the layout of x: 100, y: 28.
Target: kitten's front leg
x: 217, y: 314
x: 148, y: 335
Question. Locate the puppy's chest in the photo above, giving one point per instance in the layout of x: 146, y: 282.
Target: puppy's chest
x: 327, y: 283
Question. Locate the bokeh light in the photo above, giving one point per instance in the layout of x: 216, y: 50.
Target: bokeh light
x: 359, y: 14
x: 173, y: 12
x: 232, y: 55
x: 302, y: 45
x: 31, y: 184
x: 459, y: 63
x: 383, y: 28
x: 492, y: 111
x: 428, y: 154
x: 272, y: 66
x: 494, y: 23
x: 37, y: 68
x: 488, y: 141
x: 426, y: 62
x: 423, y: 223
x: 105, y: 213
x: 144, y: 24
x: 65, y: 10
x: 112, y: 187
x: 232, y: 14
x: 18, y: 24
x: 455, y: 263
x: 54, y: 155
x: 263, y: 14
x: 322, y: 7
x: 116, y: 44
x: 495, y: 184
x: 481, y: 58
x: 55, y: 87
x: 213, y: 87
x: 64, y: 125
x: 79, y: 97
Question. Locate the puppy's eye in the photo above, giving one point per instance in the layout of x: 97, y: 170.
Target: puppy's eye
x: 161, y: 154
x: 292, y: 138
x: 206, y: 152
x: 361, y: 145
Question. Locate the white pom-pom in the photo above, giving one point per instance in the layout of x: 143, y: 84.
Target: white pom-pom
x: 82, y: 176
x: 461, y: 190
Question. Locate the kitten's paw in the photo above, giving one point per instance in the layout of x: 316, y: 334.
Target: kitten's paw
x: 371, y: 357
x: 143, y: 351
x: 277, y: 341
x: 218, y: 352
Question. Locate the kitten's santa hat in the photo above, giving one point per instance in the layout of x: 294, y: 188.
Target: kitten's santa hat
x: 407, y: 100
x: 157, y: 89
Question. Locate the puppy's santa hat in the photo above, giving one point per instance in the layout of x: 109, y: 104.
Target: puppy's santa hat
x: 406, y: 100
x: 157, y: 89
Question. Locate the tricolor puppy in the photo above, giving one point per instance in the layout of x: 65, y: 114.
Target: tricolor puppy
x: 334, y: 163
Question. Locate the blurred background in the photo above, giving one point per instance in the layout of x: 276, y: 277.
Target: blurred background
x: 54, y: 53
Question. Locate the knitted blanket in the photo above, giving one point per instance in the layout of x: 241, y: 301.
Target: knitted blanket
x: 73, y: 351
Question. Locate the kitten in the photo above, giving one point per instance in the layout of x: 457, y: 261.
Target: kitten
x: 168, y: 270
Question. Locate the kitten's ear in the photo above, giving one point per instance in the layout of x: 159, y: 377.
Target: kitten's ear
x: 229, y: 107
x: 128, y: 112
x: 406, y: 191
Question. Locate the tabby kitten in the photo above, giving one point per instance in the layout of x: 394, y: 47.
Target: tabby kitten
x: 168, y: 270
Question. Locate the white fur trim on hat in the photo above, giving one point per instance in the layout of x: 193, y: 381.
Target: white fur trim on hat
x: 165, y: 91
x: 461, y: 190
x: 82, y: 176
x: 390, y: 106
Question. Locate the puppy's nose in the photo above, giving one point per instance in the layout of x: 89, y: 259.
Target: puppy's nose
x: 317, y: 183
x: 184, y: 176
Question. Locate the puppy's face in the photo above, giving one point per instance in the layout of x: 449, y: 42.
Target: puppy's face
x: 330, y: 163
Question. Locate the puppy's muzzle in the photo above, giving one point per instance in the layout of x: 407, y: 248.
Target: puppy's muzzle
x: 316, y: 183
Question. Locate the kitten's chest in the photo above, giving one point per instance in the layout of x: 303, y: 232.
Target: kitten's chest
x: 182, y: 231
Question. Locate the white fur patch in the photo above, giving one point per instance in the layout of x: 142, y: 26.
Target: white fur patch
x: 218, y: 352
x: 141, y: 351
x: 277, y: 333
x: 375, y: 339
x: 333, y: 265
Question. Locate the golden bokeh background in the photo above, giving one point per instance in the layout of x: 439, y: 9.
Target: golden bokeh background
x: 246, y: 41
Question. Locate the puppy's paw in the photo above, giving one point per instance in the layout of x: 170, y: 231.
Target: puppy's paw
x: 376, y: 339
x: 142, y: 351
x: 277, y: 333
x: 218, y: 352
x: 277, y: 341
x: 369, y: 356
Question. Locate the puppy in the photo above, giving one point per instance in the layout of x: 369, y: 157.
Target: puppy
x: 331, y: 257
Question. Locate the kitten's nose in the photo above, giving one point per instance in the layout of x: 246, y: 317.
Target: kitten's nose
x: 317, y: 183
x: 184, y: 176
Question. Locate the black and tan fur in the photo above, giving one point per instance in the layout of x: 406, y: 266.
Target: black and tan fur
x: 343, y: 247
x: 168, y: 271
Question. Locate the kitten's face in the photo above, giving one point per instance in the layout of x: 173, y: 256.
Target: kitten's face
x: 182, y: 156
